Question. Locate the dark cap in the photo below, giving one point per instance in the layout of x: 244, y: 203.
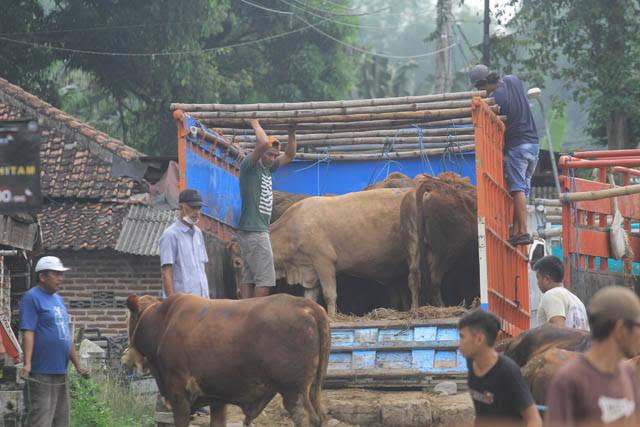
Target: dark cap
x: 615, y: 303
x: 477, y: 73
x: 191, y: 197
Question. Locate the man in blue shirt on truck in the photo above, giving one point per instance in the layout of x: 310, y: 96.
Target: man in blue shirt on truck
x: 520, y: 142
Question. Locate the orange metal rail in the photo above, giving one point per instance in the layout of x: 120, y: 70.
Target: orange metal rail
x: 585, y: 234
x: 504, y: 284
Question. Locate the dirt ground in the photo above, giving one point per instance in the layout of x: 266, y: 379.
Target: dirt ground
x: 357, y: 407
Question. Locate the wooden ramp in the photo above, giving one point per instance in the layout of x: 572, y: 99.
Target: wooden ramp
x: 395, y: 354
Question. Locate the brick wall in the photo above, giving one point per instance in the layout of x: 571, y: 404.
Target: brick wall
x: 99, y: 282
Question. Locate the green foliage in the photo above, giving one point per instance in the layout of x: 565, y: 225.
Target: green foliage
x: 24, y: 65
x: 600, y: 42
x: 102, y: 402
x: 129, y: 96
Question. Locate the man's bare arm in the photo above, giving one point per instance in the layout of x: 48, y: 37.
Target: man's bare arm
x: 27, y: 346
x: 167, y: 279
x: 290, y: 152
x: 262, y: 141
x: 557, y: 321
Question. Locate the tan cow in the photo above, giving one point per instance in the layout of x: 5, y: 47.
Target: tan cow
x: 357, y: 234
x: 217, y: 352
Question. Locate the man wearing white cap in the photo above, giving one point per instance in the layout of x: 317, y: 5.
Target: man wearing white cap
x: 47, y: 346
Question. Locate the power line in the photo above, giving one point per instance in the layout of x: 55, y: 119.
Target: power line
x: 325, y: 18
x: 328, y: 12
x: 368, y: 52
x: 175, y: 53
x: 103, y: 28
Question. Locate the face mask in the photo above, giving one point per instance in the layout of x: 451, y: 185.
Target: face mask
x: 188, y: 220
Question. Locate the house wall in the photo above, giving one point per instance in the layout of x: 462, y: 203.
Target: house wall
x: 99, y: 282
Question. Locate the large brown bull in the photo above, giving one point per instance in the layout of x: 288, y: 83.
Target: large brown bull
x: 538, y: 340
x: 356, y: 234
x: 216, y: 352
x: 440, y: 231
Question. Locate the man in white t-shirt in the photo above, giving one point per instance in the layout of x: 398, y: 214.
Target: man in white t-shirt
x: 558, y: 305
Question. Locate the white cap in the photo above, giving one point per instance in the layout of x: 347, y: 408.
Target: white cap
x: 50, y: 263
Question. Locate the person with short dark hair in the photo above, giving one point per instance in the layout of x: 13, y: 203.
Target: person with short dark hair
x: 48, y: 346
x: 521, y: 143
x: 258, y: 271
x: 558, y: 305
x: 600, y: 387
x: 183, y: 254
x: 500, y: 395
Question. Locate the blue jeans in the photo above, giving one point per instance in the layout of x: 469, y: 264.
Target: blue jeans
x: 519, y: 163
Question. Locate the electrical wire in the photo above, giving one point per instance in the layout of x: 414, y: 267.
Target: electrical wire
x: 368, y: 52
x: 328, y: 12
x: 175, y: 53
x: 324, y: 18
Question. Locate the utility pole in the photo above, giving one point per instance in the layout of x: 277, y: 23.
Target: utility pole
x: 443, y: 59
x: 485, y: 40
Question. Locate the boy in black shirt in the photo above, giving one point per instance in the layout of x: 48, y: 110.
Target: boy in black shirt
x: 500, y: 395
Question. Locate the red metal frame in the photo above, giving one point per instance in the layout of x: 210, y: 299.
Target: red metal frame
x: 504, y: 288
x: 584, y: 224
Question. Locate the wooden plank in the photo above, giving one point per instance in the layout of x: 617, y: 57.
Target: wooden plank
x: 391, y: 324
x: 439, y: 345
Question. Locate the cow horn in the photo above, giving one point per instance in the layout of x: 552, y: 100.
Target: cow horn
x: 133, y: 303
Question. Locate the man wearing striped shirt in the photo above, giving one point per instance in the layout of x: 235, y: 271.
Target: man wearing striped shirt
x: 258, y: 273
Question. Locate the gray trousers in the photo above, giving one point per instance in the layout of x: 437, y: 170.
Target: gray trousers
x: 46, y: 401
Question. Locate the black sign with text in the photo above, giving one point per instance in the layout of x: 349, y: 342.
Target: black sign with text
x: 19, y: 166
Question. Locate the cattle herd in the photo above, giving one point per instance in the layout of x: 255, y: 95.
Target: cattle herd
x: 416, y: 237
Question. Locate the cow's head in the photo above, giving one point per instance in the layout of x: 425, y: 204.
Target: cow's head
x: 132, y: 358
x: 236, y: 262
x: 137, y: 307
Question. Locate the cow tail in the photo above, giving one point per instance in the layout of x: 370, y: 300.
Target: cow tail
x: 425, y: 274
x: 324, y: 336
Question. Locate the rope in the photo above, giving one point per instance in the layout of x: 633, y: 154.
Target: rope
x: 424, y: 159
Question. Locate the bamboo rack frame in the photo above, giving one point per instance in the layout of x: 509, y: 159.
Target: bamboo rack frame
x: 328, y: 104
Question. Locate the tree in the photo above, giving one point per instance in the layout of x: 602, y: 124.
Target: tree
x: 24, y: 65
x: 600, y: 42
x: 136, y: 57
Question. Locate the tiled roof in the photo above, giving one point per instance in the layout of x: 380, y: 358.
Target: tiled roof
x: 84, y: 203
x: 142, y: 228
x: 75, y: 226
x: 76, y: 158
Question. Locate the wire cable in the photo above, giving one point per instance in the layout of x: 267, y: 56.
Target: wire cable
x: 367, y: 52
x: 175, y: 53
x: 328, y: 12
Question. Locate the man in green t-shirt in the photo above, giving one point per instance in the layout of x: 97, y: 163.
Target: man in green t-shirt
x: 258, y: 273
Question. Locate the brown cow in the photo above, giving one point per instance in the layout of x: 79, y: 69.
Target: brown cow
x: 539, y: 371
x: 393, y: 180
x: 538, y: 340
x: 216, y: 352
x: 440, y: 231
x: 356, y: 234
x: 283, y: 201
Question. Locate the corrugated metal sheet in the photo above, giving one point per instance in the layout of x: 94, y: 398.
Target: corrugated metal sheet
x: 395, y: 354
x: 142, y: 228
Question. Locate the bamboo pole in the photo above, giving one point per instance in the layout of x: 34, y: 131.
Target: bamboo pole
x: 395, y: 155
x: 328, y: 104
x: 600, y: 194
x: 378, y: 148
x: 302, y: 136
x: 234, y: 151
x: 372, y: 140
x: 548, y: 202
x: 354, y: 126
x: 334, y: 111
x: 427, y: 115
